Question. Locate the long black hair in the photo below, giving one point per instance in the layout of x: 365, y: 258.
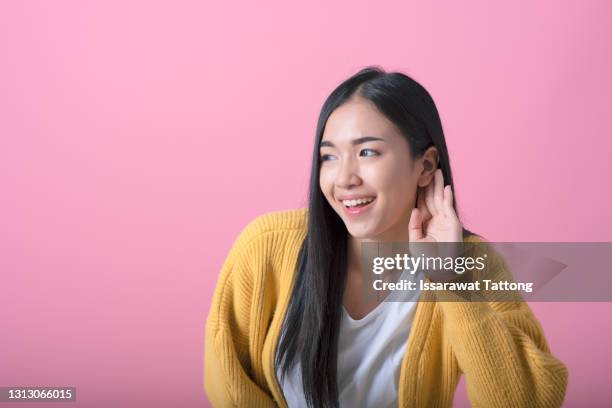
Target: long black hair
x: 311, y: 326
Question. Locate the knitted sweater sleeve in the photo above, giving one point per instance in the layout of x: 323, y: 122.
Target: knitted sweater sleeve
x: 502, y: 351
x: 228, y: 378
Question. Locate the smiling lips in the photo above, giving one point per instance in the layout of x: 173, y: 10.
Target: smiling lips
x: 355, y: 206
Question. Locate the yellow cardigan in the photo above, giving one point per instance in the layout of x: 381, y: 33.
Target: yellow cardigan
x: 499, y: 346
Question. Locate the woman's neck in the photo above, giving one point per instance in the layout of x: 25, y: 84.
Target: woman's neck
x: 355, y: 245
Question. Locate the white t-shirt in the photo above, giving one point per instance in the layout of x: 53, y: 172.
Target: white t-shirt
x: 370, y: 353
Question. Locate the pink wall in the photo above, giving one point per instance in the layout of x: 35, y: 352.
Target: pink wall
x: 138, y: 138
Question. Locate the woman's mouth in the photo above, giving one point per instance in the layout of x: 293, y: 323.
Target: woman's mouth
x: 357, y: 206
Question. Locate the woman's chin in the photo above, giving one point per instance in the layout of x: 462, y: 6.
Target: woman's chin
x: 358, y: 233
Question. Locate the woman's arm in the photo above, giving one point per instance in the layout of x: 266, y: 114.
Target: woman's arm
x: 501, y: 349
x: 500, y: 346
x: 228, y: 380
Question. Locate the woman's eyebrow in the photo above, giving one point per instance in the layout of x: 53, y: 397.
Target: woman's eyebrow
x: 354, y: 142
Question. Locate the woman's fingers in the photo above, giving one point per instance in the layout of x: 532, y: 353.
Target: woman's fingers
x: 438, y: 191
x: 415, y: 226
x: 421, y: 205
x: 429, y: 198
x: 448, y: 201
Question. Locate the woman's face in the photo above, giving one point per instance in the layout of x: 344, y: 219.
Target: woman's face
x: 367, y: 175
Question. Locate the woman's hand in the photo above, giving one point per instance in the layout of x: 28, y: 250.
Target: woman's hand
x: 434, y: 221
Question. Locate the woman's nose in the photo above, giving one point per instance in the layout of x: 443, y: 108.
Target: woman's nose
x: 348, y: 176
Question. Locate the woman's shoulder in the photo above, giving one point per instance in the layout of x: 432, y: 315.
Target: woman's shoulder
x: 276, y: 222
x: 469, y: 236
x: 272, y: 229
x: 478, y: 246
x: 477, y: 241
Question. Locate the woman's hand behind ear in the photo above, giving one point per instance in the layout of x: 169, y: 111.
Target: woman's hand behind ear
x: 433, y: 222
x: 434, y: 219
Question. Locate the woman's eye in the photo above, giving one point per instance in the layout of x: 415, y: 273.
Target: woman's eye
x: 326, y: 157
x: 368, y: 152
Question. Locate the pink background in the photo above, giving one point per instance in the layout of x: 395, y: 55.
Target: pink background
x: 137, y: 139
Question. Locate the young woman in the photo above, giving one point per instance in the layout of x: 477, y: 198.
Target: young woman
x: 289, y: 325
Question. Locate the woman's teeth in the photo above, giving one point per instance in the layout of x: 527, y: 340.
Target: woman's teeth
x: 357, y: 202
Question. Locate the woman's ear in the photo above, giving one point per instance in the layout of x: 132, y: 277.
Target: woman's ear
x: 429, y: 163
